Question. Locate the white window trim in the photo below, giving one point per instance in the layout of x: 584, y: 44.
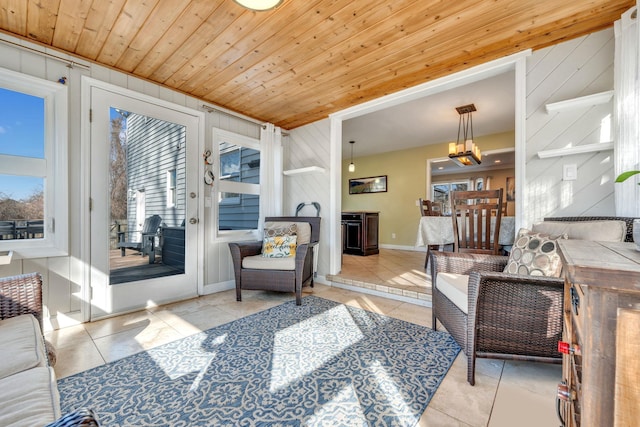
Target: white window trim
x: 220, y: 135
x: 171, y: 189
x: 56, y: 209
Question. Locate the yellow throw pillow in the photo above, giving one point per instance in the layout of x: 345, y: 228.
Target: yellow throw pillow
x: 279, y: 246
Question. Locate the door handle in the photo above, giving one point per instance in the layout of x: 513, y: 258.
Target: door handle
x: 193, y: 220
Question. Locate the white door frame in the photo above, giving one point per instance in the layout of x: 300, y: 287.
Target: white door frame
x: 515, y: 62
x: 154, y: 294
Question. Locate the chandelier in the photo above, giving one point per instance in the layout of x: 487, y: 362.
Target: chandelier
x: 465, y: 152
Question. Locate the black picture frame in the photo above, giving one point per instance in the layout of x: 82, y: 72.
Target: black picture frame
x: 367, y: 185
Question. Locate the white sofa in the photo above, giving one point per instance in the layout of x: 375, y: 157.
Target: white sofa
x: 28, y: 390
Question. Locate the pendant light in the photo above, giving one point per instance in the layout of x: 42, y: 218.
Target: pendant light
x: 352, y: 167
x: 259, y: 5
x: 464, y: 151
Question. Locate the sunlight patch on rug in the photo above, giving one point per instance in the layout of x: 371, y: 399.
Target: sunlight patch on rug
x: 291, y: 358
x: 321, y: 363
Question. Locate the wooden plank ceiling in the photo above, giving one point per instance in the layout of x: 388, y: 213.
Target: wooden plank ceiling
x: 307, y: 58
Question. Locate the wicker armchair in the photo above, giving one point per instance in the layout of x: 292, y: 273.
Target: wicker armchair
x: 280, y: 280
x: 508, y: 316
x: 22, y: 294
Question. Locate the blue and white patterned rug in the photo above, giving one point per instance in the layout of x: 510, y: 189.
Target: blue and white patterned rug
x: 319, y: 364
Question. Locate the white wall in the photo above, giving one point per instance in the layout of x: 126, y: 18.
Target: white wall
x: 309, y: 146
x: 569, y: 70
x: 63, y: 276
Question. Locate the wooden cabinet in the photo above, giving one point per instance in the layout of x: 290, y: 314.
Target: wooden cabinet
x: 601, y: 301
x: 360, y: 233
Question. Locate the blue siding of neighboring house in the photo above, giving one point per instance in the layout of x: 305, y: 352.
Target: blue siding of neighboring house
x: 155, y: 147
x: 242, y: 213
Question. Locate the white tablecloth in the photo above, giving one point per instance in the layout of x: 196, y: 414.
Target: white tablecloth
x: 438, y: 230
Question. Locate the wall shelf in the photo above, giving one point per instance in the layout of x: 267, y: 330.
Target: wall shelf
x: 310, y: 169
x: 583, y: 101
x: 580, y: 149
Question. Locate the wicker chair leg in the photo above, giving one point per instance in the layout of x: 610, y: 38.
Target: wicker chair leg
x: 238, y: 293
x: 471, y: 368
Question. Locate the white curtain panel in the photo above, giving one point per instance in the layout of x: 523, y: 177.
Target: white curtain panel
x: 270, y: 171
x: 627, y: 111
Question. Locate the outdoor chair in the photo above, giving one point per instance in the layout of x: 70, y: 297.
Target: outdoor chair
x: 8, y: 230
x: 146, y: 244
x: 476, y: 219
x: 286, y: 267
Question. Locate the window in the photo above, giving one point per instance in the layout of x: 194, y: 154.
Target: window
x: 33, y: 165
x: 440, y: 193
x: 171, y: 188
x: 238, y: 187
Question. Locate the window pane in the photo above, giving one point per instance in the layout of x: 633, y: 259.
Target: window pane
x: 238, y: 211
x: 21, y: 207
x: 21, y: 124
x: 239, y: 164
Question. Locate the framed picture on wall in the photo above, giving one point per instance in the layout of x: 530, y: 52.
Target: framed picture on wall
x: 511, y: 189
x: 372, y: 184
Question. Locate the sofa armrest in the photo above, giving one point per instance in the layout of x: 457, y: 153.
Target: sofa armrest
x: 83, y: 417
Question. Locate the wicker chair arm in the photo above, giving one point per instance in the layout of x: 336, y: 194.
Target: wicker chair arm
x: 465, y: 263
x: 243, y: 249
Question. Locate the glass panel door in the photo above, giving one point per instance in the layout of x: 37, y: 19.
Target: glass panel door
x: 144, y: 248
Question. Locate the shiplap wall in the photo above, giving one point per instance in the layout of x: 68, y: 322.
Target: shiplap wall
x: 309, y: 146
x: 63, y: 276
x: 569, y: 70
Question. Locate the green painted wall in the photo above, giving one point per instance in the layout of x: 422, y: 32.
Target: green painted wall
x: 406, y: 180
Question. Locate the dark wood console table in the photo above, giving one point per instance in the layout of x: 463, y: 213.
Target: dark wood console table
x: 600, y: 369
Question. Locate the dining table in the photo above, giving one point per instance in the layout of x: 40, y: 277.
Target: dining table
x: 438, y: 230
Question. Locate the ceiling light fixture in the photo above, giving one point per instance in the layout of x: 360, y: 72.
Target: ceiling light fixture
x: 259, y: 5
x: 352, y: 167
x: 465, y: 152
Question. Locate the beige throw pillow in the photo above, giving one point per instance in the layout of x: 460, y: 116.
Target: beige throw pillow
x: 535, y: 254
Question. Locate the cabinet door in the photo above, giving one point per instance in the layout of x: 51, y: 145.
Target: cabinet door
x: 372, y: 232
x: 353, y: 233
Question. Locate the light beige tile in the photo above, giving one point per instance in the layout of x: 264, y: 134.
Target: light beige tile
x: 434, y: 418
x: 468, y: 404
x: 79, y: 357
x: 412, y: 313
x: 67, y: 337
x: 518, y: 406
x: 540, y: 378
x: 132, y: 341
x: 113, y: 325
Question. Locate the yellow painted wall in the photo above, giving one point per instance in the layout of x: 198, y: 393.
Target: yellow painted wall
x: 406, y: 181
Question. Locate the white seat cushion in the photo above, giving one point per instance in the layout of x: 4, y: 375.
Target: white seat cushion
x: 22, y: 345
x: 264, y: 263
x: 601, y: 231
x: 456, y: 288
x: 29, y: 398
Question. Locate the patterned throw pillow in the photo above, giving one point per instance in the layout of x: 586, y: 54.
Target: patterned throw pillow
x: 535, y: 254
x: 281, y: 229
x: 279, y: 246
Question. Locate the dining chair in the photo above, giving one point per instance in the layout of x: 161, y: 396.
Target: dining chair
x: 429, y: 208
x: 476, y: 217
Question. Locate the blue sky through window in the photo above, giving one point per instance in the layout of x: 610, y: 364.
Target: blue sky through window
x: 21, y: 134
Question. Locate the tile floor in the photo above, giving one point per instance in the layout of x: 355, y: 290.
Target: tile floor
x: 505, y: 394
x: 392, y: 271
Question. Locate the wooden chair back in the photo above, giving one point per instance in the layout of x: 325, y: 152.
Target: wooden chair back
x: 476, y: 217
x: 429, y: 208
